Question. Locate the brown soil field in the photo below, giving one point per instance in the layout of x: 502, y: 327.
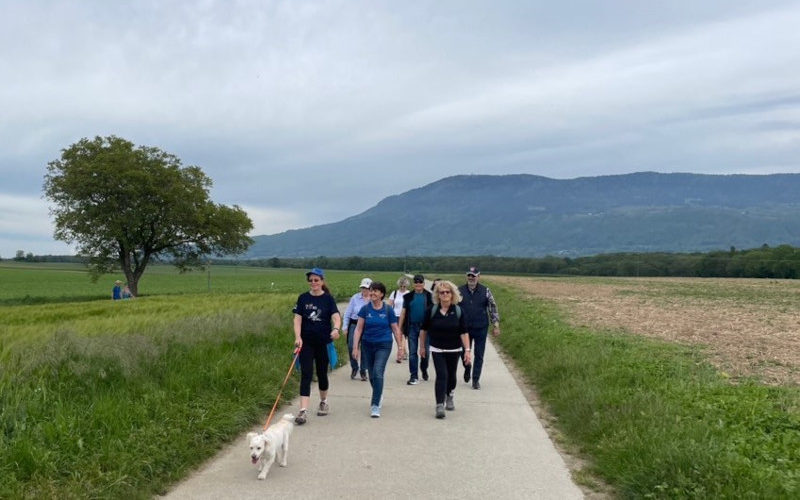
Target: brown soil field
x: 749, y: 327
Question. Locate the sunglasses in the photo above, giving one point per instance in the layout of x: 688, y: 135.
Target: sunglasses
x: 418, y: 281
x: 314, y: 280
x: 444, y: 292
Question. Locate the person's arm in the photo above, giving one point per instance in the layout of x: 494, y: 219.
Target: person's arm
x: 298, y: 340
x: 337, y: 329
x: 348, y: 313
x: 467, y: 350
x: 422, y: 336
x: 357, y: 336
x: 494, y: 316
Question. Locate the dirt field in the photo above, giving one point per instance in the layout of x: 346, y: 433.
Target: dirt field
x: 750, y: 327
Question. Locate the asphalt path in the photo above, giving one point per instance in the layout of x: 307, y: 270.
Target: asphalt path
x: 492, y: 446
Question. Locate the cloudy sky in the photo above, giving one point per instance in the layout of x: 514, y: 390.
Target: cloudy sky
x: 307, y: 112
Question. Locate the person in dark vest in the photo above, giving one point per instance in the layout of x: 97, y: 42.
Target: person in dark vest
x: 479, y: 308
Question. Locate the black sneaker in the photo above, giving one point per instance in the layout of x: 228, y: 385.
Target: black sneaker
x: 412, y: 381
x: 467, y: 372
x: 476, y: 385
x: 300, y: 419
x: 353, y: 374
x: 364, y: 377
x: 425, y: 375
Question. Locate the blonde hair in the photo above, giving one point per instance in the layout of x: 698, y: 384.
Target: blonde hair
x: 403, y: 281
x: 455, y: 295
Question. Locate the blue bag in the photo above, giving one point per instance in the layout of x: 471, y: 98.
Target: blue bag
x: 333, y: 357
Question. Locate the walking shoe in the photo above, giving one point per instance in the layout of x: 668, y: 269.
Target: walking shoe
x: 476, y: 385
x: 467, y: 372
x: 425, y: 375
x: 440, y: 411
x: 412, y: 381
x: 353, y: 374
x: 324, y: 408
x: 300, y: 419
x: 363, y: 376
x: 375, y: 412
x: 449, y: 405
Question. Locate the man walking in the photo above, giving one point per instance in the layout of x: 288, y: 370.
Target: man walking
x: 415, y: 303
x: 479, y: 307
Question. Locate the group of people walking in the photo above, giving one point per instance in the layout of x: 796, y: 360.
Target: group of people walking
x: 443, y: 326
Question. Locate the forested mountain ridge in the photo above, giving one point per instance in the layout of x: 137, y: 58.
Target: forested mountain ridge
x: 527, y: 215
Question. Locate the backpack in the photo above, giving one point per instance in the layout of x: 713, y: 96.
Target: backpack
x: 458, y: 312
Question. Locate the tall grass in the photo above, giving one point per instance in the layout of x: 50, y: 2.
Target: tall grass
x: 655, y: 419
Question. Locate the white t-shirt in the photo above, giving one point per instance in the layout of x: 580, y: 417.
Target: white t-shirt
x: 397, y: 297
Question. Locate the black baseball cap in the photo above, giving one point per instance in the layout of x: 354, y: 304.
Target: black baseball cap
x: 418, y: 278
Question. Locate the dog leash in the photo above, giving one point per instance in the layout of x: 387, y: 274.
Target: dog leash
x: 286, y: 379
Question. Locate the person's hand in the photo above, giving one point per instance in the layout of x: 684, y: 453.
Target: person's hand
x: 298, y: 344
x: 467, y: 357
x: 335, y: 333
x: 355, y: 352
x: 496, y: 330
x: 422, y: 352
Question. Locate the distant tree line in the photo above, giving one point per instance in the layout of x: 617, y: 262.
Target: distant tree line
x: 781, y: 262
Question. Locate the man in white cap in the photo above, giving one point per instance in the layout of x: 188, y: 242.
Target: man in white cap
x: 357, y: 301
x: 479, y: 308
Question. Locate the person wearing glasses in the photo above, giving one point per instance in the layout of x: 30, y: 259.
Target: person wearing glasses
x: 479, y: 308
x: 415, y: 303
x: 446, y: 329
x: 357, y: 301
x: 314, y: 313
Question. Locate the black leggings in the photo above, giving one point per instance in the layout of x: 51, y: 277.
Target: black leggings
x: 445, y: 364
x: 313, y: 353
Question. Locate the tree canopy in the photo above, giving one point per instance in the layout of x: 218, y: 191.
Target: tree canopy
x: 126, y: 205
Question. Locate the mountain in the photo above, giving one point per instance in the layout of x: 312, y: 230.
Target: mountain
x: 529, y: 216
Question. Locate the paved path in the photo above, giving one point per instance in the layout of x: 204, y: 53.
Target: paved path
x: 492, y: 446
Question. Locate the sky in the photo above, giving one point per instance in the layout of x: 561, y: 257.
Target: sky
x: 309, y: 112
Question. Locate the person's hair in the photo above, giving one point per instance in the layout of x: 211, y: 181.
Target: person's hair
x: 455, y: 295
x: 377, y: 285
x: 403, y: 281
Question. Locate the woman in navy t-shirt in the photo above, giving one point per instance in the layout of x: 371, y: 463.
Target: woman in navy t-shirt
x: 376, y: 324
x: 313, y: 314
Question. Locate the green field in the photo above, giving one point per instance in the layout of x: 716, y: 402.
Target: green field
x: 93, y: 391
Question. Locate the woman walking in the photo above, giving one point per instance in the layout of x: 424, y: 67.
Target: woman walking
x: 314, y: 312
x: 357, y: 301
x: 377, y: 324
x: 445, y: 327
x: 396, y: 301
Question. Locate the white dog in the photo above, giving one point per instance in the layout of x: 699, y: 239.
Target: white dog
x: 274, y: 442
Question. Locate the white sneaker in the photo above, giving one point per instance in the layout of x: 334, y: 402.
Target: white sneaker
x: 375, y: 412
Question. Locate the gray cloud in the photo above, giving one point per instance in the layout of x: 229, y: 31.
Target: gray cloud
x: 309, y: 112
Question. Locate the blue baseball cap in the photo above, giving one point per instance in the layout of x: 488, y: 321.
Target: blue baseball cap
x: 317, y: 271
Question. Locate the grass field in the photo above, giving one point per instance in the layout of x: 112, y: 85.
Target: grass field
x: 93, y: 391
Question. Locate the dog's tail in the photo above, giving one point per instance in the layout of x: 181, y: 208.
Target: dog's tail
x: 288, y: 416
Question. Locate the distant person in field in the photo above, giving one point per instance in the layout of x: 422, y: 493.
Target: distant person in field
x: 445, y: 328
x: 357, y: 301
x: 396, y: 301
x: 314, y: 313
x: 126, y: 292
x: 480, y: 308
x: 415, y: 303
x: 116, y: 292
x: 377, y: 324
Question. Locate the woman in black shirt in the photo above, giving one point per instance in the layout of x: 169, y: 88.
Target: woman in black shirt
x: 447, y: 329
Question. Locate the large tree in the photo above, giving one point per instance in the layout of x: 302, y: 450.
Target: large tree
x: 126, y: 206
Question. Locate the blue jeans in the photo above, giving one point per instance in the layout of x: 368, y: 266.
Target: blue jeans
x: 413, y: 351
x: 374, y: 356
x: 477, y: 339
x: 351, y: 330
